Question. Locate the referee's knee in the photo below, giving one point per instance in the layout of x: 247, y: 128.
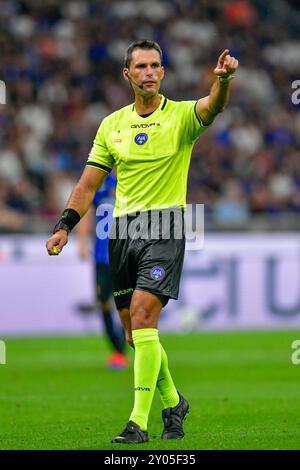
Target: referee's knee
x: 144, y: 310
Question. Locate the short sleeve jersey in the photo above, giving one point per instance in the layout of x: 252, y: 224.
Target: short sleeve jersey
x: 152, y: 154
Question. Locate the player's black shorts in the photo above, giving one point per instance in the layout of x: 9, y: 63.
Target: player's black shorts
x: 146, y: 252
x: 103, y: 282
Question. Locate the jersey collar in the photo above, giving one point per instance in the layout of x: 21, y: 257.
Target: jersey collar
x: 161, y: 106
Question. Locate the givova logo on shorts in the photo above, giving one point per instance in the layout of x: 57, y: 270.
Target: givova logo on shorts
x: 123, y: 292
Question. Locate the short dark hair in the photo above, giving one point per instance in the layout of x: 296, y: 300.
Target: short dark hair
x: 141, y: 44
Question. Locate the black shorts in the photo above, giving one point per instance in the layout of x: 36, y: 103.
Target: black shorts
x: 146, y: 252
x: 103, y: 282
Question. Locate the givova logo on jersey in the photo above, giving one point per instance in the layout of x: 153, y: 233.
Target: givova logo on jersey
x: 141, y: 139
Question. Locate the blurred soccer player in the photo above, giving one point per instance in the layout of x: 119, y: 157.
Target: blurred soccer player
x: 104, y: 198
x: 150, y: 142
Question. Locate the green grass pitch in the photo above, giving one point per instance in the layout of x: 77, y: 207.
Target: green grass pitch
x: 243, y: 389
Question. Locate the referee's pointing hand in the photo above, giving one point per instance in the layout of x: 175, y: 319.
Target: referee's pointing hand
x: 226, y: 65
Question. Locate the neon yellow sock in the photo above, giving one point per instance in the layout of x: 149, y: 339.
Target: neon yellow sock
x: 165, y: 384
x: 147, y: 361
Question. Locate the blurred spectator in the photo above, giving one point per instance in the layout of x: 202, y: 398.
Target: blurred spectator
x: 11, y: 220
x: 62, y: 63
x: 240, y: 13
x: 231, y: 209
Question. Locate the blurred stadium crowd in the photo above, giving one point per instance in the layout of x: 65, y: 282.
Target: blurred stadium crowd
x: 62, y: 62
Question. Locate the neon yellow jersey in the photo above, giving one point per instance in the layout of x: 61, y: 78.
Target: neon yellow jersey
x: 152, y: 154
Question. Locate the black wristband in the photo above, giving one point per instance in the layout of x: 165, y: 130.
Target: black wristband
x: 68, y: 220
x: 61, y: 226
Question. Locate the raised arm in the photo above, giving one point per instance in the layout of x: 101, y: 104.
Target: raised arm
x: 78, y: 204
x: 207, y: 108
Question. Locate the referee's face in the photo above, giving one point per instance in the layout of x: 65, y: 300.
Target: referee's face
x: 145, y: 72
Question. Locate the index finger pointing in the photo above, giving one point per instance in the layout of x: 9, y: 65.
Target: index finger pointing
x: 223, y: 55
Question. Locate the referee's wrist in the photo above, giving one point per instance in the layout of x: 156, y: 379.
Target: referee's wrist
x: 61, y: 226
x: 225, y: 79
x: 69, y: 219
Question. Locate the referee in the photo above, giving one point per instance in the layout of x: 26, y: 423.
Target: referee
x: 150, y: 142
